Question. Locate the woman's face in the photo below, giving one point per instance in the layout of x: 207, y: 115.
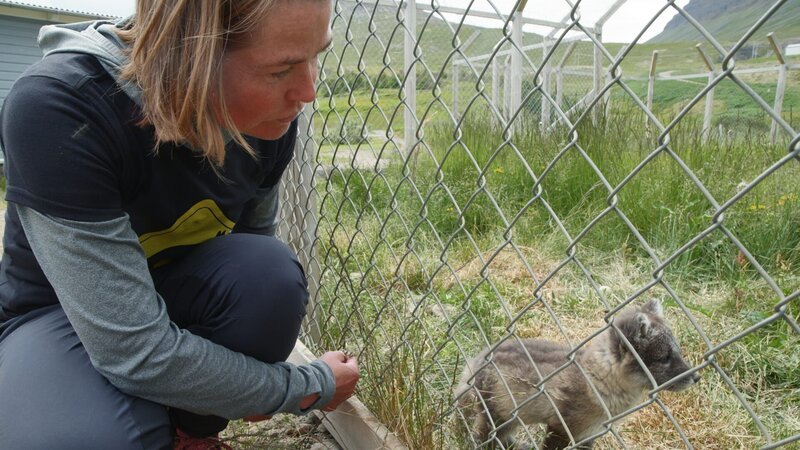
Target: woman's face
x: 267, y: 80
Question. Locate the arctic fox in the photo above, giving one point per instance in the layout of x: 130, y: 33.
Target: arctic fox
x: 616, y: 375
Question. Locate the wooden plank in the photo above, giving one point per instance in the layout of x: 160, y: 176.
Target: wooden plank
x: 22, y: 47
x: 16, y: 24
x: 352, y: 424
x: 10, y: 62
x: 780, y: 91
x: 651, y: 86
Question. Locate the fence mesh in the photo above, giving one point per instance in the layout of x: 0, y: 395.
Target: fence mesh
x: 460, y: 187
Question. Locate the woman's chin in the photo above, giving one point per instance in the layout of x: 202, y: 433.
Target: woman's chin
x: 269, y: 132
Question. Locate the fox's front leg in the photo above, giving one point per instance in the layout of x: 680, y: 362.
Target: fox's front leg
x: 557, y: 439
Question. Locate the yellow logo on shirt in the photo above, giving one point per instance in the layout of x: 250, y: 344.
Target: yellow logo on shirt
x: 201, y: 222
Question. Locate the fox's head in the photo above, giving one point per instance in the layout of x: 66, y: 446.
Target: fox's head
x: 647, y: 331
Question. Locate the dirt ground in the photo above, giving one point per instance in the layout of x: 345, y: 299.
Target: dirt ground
x: 281, y: 432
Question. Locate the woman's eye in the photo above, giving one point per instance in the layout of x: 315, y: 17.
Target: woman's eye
x: 281, y: 74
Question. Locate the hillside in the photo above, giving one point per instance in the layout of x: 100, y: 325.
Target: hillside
x: 373, y: 34
x: 728, y: 20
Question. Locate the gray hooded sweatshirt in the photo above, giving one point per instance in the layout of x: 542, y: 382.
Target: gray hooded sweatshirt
x: 133, y: 343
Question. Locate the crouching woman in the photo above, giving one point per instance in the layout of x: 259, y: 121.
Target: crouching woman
x: 144, y: 298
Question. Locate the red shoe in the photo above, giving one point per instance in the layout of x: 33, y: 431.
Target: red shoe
x: 185, y: 442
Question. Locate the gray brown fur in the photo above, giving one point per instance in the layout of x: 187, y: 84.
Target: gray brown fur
x: 613, y: 370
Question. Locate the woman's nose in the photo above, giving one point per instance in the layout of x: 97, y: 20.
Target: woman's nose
x: 305, y: 89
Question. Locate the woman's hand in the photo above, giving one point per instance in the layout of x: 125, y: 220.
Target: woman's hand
x: 345, y: 372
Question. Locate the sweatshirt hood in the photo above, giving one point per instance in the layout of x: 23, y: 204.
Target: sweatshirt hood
x: 98, y: 38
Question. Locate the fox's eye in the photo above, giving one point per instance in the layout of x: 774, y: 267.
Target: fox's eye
x: 666, y: 357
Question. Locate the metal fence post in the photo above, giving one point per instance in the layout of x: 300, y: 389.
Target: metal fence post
x: 559, y: 70
x: 456, y: 63
x: 495, y: 81
x: 410, y: 66
x: 598, y: 55
x: 299, y: 213
x: 507, y: 87
x: 456, y: 82
x: 516, y: 62
x: 545, y: 90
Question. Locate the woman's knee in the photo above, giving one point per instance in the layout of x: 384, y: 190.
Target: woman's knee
x: 272, y: 295
x: 265, y: 274
x: 246, y: 292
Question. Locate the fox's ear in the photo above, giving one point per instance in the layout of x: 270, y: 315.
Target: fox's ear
x: 654, y: 307
x: 635, y: 327
x: 642, y: 326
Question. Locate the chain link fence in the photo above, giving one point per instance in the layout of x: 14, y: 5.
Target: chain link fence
x: 467, y: 179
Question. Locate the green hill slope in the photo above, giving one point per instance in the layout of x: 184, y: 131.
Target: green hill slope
x: 374, y: 35
x: 729, y: 20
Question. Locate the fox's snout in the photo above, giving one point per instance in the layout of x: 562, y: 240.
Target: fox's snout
x: 685, y: 382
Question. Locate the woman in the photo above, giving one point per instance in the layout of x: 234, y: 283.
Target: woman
x: 144, y: 298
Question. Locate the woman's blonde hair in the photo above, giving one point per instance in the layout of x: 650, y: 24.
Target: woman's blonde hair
x: 176, y: 49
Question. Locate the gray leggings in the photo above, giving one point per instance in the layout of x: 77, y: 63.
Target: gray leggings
x: 51, y: 397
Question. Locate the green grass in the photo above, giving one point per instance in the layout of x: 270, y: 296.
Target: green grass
x: 733, y: 107
x: 425, y: 262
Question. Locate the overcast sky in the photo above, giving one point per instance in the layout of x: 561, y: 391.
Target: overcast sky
x: 622, y: 27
